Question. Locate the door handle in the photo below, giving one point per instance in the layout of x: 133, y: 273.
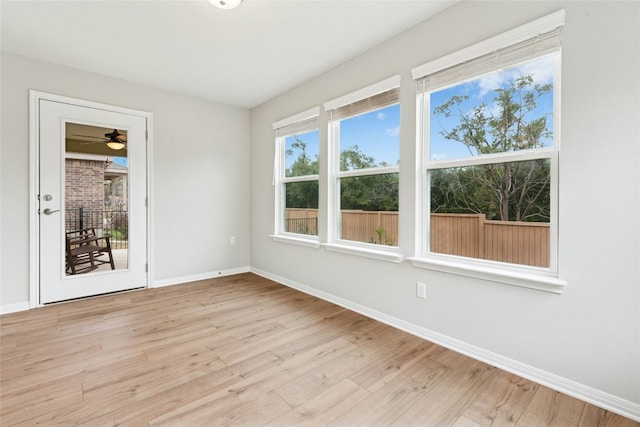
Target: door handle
x: 48, y: 211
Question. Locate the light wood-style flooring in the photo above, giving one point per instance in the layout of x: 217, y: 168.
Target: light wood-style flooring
x: 245, y: 351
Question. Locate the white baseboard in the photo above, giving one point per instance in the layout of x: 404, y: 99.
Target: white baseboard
x: 14, y: 307
x: 596, y: 397
x: 196, y: 277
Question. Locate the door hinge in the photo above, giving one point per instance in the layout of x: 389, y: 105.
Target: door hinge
x: 146, y: 267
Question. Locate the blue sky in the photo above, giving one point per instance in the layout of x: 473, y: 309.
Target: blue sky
x: 480, y: 90
x: 122, y: 161
x: 377, y: 134
x: 313, y: 143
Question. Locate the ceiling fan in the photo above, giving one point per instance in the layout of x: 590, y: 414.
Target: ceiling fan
x: 115, y: 140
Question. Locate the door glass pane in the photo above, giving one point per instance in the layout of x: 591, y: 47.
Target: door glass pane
x: 96, y: 201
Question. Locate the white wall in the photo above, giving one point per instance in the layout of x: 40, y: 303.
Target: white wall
x: 200, y: 174
x: 586, y: 341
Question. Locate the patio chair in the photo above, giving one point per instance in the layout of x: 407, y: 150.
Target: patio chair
x: 84, y: 250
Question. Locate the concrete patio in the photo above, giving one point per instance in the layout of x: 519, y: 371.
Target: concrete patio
x: 120, y: 260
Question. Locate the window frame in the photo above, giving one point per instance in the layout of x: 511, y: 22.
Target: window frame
x: 546, y: 279
x: 280, y: 180
x: 334, y: 240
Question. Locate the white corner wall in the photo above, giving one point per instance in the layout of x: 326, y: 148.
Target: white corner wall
x: 585, y: 342
x: 200, y: 175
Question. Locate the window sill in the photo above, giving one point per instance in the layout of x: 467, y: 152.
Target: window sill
x: 381, y: 255
x: 310, y: 243
x: 542, y: 282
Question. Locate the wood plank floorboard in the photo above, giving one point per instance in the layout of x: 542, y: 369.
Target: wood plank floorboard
x: 245, y: 351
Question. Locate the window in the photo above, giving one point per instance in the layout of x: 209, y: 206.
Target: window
x: 489, y: 130
x: 364, y: 140
x: 296, y: 169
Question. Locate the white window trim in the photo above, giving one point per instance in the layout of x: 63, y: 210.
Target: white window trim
x: 492, y: 271
x: 307, y: 114
x: 508, y: 38
x: 335, y: 244
x: 365, y: 92
x: 296, y: 239
x: 279, y: 180
x: 544, y: 279
x: 365, y: 250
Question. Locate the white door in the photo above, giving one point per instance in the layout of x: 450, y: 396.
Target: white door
x: 76, y: 174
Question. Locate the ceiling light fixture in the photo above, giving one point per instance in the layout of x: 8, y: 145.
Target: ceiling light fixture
x: 225, y: 4
x: 115, y: 145
x: 116, y: 140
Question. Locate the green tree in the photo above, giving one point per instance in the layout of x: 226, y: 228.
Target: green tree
x: 368, y: 192
x: 302, y: 194
x: 303, y: 165
x: 352, y: 158
x: 507, y: 191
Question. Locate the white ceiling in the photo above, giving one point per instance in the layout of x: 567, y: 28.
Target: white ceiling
x: 239, y: 57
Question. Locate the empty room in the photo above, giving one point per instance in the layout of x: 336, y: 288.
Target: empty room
x: 320, y: 212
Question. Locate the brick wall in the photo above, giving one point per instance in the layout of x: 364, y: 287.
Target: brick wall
x: 84, y: 186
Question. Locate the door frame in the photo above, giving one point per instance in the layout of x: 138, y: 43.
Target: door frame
x: 34, y: 179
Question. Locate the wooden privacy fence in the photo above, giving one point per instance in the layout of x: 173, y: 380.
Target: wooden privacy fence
x: 468, y: 235
x: 301, y: 221
x: 471, y: 235
x: 370, y: 227
x: 360, y: 226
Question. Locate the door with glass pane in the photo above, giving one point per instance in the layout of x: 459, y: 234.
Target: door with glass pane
x: 92, y: 198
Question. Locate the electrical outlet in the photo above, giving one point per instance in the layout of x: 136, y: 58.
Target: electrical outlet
x: 232, y: 240
x: 421, y: 290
